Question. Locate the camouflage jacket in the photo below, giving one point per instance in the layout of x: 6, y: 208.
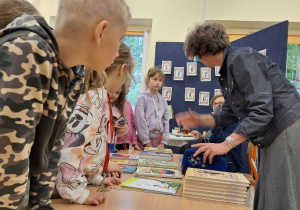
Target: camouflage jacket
x: 36, y: 93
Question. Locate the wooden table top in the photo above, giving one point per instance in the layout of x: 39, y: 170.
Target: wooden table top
x: 125, y: 199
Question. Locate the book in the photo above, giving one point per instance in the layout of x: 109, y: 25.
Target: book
x: 216, y: 186
x: 158, y: 172
x: 124, y: 156
x: 128, y: 169
x: 158, y: 150
x: 152, y: 185
x: 216, y: 176
x: 151, y: 155
x: 157, y: 163
x: 214, y: 197
x: 214, y: 191
x: 125, y: 162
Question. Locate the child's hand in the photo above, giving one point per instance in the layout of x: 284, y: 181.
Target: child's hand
x: 113, y: 174
x: 196, y: 134
x: 122, y: 129
x: 110, y: 180
x: 95, y: 198
x: 114, y: 167
x: 161, y: 145
x: 148, y: 145
x: 136, y: 147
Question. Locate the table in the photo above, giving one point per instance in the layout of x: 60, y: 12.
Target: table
x: 123, y: 199
x: 177, y: 140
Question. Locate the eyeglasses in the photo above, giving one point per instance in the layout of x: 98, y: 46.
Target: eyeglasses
x: 218, y: 103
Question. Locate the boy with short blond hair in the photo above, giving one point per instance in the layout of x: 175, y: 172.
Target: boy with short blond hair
x: 40, y: 84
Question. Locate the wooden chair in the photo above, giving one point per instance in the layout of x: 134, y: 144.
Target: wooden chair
x: 252, y: 153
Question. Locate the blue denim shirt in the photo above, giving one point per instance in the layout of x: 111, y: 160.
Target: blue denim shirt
x: 258, y: 94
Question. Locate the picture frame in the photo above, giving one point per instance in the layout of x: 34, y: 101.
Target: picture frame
x: 205, y: 75
x: 203, y: 98
x: 263, y: 52
x: 178, y: 73
x: 191, y: 69
x: 189, y: 94
x: 217, y: 92
x: 217, y: 71
x: 166, y: 67
x: 167, y: 93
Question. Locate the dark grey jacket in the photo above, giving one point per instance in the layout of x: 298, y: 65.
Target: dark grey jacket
x: 258, y: 94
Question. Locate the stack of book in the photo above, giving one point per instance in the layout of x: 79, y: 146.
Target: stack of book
x: 158, y: 150
x: 127, y: 162
x: 157, y: 156
x: 157, y: 163
x: 215, y: 185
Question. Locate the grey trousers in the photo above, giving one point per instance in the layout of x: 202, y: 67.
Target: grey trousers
x: 278, y: 186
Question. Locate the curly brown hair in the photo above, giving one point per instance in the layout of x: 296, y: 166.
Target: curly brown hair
x: 204, y: 39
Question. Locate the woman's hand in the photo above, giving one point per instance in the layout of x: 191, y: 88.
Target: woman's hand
x: 191, y: 119
x: 210, y: 150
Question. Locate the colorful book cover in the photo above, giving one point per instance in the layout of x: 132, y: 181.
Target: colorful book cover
x: 125, y: 162
x: 158, y: 150
x: 152, y: 185
x: 156, y: 156
x: 157, y: 163
x: 216, y: 176
x: 124, y: 156
x: 158, y: 172
x: 128, y: 169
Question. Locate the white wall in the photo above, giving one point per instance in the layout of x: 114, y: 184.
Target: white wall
x: 172, y: 18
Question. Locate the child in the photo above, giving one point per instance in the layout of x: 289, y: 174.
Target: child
x: 218, y: 135
x: 11, y: 9
x: 120, y: 122
x: 130, y: 137
x: 39, y: 89
x: 151, y: 112
x: 85, y: 143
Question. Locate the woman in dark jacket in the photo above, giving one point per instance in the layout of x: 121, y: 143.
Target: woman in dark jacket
x: 267, y: 106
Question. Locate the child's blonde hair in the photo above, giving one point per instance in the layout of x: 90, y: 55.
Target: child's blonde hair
x: 152, y: 72
x: 94, y: 80
x: 11, y: 9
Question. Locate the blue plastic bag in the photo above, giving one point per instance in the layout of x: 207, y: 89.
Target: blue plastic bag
x: 189, y: 161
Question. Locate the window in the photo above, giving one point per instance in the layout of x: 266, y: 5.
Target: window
x: 136, y: 44
x: 292, y: 63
